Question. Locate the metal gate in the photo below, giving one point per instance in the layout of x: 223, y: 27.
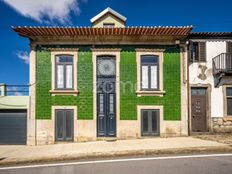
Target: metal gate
x: 106, y: 97
x: 198, y: 116
x: 13, y: 127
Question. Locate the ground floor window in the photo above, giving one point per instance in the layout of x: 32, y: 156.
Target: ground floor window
x: 150, y: 122
x: 64, y: 124
x: 229, y: 100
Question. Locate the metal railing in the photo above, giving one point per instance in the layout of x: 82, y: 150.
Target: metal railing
x: 14, y: 90
x: 222, y: 63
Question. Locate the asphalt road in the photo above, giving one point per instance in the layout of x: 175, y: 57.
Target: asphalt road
x: 196, y: 164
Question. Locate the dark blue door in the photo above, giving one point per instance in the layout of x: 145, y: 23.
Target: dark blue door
x: 106, y: 97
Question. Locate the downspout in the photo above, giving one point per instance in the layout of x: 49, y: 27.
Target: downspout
x: 188, y: 90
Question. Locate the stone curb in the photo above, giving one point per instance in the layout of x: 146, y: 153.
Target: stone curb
x: 128, y: 153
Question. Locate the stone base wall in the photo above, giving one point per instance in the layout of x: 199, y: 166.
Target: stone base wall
x: 85, y: 130
x: 222, y: 125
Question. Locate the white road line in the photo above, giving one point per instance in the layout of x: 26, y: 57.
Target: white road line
x: 117, y: 160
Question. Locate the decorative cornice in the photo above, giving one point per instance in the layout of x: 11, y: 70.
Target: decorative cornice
x: 149, y: 50
x: 106, y: 49
x: 62, y: 49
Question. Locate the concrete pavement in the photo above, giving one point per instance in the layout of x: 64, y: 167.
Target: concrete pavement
x: 24, y: 154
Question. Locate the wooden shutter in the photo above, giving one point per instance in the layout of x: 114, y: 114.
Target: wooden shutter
x: 190, y: 52
x: 202, y: 51
x: 229, y: 47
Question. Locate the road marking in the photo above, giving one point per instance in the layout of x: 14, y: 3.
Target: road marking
x: 117, y: 160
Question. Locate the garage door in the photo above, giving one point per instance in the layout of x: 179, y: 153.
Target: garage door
x: 13, y: 127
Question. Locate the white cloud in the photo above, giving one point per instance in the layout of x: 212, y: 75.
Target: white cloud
x: 46, y: 11
x: 23, y: 55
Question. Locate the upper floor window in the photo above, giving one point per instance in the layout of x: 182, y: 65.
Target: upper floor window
x: 64, y: 72
x: 229, y: 47
x: 149, y: 73
x: 197, y: 52
x: 108, y: 25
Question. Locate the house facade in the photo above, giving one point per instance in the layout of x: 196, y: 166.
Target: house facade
x: 107, y: 81
x: 210, y: 64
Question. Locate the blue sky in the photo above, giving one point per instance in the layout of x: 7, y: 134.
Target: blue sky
x: 204, y: 15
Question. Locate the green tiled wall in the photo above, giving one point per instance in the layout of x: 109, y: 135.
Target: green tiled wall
x: 128, y: 74
x: 84, y: 100
x: 171, y: 78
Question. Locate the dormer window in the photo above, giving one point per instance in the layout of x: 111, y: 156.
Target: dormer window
x: 108, y: 25
x: 108, y: 18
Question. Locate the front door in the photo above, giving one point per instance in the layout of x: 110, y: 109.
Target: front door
x: 198, y: 117
x: 106, y: 97
x: 64, y: 125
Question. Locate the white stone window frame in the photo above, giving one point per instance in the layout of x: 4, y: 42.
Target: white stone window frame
x: 55, y: 91
x: 150, y: 107
x: 150, y: 52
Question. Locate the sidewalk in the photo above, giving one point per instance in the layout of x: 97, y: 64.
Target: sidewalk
x: 68, y: 151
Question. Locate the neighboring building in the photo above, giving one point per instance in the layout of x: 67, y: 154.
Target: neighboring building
x: 210, y: 78
x: 14, y: 109
x: 106, y: 81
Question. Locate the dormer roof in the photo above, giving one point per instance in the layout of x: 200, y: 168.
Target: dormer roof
x: 104, y: 12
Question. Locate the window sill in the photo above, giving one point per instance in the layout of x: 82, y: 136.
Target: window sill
x: 150, y: 93
x: 64, y: 92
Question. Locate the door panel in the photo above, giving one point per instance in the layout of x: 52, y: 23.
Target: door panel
x: 154, y: 120
x: 59, y: 125
x: 106, y: 99
x: 64, y: 125
x: 145, y: 122
x: 198, y: 116
x: 69, y: 125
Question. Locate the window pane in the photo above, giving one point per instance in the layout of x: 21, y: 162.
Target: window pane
x: 101, y: 102
x: 106, y: 67
x: 195, y: 55
x: 144, y: 77
x: 229, y: 106
x: 111, y: 103
x: 229, y: 91
x: 145, y: 121
x: 61, y: 59
x: 60, y: 76
x: 154, y: 77
x: 149, y: 59
x: 69, y: 76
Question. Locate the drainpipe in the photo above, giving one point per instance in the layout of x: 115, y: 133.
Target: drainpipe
x: 188, y: 91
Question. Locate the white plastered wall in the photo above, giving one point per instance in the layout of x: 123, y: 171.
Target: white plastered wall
x: 213, y: 48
